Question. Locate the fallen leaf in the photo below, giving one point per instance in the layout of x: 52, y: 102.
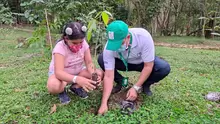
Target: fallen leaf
x: 28, y: 108
x: 18, y: 90
x: 204, y: 75
x: 183, y: 69
x: 25, y: 116
x: 36, y: 93
x: 53, y: 109
x: 187, y: 94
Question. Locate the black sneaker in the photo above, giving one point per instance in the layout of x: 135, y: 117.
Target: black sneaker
x: 79, y: 92
x: 116, y: 88
x: 64, y: 98
x: 147, y: 91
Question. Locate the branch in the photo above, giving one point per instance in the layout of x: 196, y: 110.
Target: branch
x: 48, y: 29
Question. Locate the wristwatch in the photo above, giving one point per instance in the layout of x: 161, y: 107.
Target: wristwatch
x: 137, y: 88
x: 74, y: 79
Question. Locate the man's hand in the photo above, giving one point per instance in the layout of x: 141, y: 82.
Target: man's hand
x: 103, y: 109
x: 131, y: 94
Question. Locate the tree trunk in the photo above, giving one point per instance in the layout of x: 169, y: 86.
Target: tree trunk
x: 18, y: 7
x: 210, y: 27
x: 201, y: 21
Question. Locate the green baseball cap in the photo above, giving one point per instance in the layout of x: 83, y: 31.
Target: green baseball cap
x: 117, y: 32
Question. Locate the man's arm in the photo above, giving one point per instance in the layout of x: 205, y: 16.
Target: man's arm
x: 148, y: 56
x: 109, y: 65
x: 145, y: 73
x: 107, y: 89
x: 107, y: 86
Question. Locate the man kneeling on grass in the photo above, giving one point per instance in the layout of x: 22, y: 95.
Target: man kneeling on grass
x: 129, y: 50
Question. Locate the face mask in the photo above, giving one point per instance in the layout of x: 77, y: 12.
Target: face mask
x: 122, y: 48
x: 75, y: 47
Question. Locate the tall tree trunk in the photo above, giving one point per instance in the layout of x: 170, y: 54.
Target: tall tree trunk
x: 210, y: 26
x: 201, y: 21
x: 176, y: 7
x: 18, y: 7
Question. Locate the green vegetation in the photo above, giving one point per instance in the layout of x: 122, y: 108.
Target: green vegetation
x: 186, y: 40
x: 177, y: 99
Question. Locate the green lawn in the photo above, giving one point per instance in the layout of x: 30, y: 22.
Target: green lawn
x: 177, y: 99
x: 186, y: 40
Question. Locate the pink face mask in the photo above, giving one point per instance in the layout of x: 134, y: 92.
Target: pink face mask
x: 75, y: 47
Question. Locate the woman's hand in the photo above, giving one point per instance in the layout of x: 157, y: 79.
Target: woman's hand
x: 86, y: 84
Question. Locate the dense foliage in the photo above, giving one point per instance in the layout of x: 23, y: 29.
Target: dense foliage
x: 160, y: 17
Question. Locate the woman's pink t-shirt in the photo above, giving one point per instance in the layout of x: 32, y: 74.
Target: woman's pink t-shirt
x: 73, y: 62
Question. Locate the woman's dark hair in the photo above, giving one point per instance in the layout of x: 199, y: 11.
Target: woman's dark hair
x: 74, y: 30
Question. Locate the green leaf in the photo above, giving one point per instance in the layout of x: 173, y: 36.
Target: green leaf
x: 30, y: 19
x: 79, y: 3
x: 98, y: 14
x: 93, y: 11
x: 105, y: 18
x: 107, y: 12
x: 24, y: 4
x: 90, y: 23
x: 89, y: 35
x: 26, y: 13
x: 91, y: 27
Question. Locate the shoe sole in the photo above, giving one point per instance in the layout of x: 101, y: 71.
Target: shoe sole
x: 66, y: 103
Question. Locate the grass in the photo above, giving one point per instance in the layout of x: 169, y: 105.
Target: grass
x: 186, y: 40
x: 179, y: 98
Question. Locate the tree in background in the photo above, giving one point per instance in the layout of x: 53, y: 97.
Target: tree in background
x: 163, y: 17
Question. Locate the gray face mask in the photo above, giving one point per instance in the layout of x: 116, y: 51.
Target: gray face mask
x: 122, y: 48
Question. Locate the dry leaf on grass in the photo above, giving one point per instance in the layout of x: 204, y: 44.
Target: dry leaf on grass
x: 28, y: 108
x: 183, y: 69
x: 204, y: 75
x: 18, y: 90
x: 53, y: 109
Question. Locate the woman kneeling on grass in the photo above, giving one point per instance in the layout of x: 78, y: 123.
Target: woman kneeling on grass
x: 67, y: 64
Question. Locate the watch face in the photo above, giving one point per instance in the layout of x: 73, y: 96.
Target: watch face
x: 138, y: 89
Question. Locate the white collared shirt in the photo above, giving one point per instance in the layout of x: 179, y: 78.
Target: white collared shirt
x: 142, y: 49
